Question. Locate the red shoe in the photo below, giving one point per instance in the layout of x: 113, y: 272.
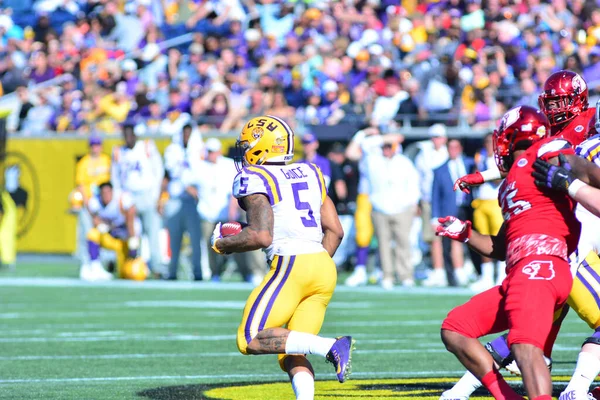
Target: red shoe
x: 596, y: 393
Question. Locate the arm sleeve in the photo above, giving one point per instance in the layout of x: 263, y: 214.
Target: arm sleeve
x: 255, y: 180
x: 590, y: 150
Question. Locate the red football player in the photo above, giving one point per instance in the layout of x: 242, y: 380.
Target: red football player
x: 564, y: 101
x: 539, y: 232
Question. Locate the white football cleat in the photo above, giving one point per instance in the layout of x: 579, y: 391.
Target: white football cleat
x: 482, y: 285
x: 94, y: 272
x: 436, y: 278
x: 358, y: 278
x: 447, y: 395
x: 513, y: 368
x: 387, y: 284
x: 576, y: 395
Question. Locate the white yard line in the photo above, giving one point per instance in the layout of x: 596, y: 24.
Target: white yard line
x: 188, y: 285
x: 435, y: 349
x: 275, y: 376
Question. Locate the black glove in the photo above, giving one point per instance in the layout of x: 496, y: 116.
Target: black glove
x: 557, y: 177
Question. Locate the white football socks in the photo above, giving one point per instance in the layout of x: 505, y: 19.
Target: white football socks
x: 303, y: 384
x: 307, y: 343
x: 487, y: 272
x: 464, y: 387
x: 586, y: 370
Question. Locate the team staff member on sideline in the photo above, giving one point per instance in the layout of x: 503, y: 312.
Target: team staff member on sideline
x: 137, y: 168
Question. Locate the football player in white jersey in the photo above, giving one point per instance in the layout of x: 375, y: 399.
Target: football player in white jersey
x: 137, y: 168
x: 114, y: 218
x: 291, y: 217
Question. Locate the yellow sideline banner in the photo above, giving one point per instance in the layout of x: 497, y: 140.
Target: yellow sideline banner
x: 43, y: 169
x: 41, y: 174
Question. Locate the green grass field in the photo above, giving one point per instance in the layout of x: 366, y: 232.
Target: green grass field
x: 64, y: 339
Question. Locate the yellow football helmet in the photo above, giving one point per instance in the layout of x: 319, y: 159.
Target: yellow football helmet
x: 135, y: 269
x: 75, y: 200
x: 265, y: 140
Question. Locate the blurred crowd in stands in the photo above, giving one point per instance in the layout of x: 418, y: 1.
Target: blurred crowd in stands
x: 167, y: 67
x: 310, y: 62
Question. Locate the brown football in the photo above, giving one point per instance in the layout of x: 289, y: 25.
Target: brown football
x: 231, y: 228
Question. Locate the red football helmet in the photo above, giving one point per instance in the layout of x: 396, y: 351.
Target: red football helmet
x: 565, y: 96
x: 519, y: 128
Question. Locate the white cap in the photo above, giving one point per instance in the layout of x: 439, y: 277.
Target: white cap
x: 252, y: 35
x: 6, y: 22
x: 121, y: 88
x: 376, y: 49
x: 369, y: 36
x: 437, y: 130
x: 128, y: 65
x: 151, y: 50
x: 330, y: 86
x: 213, y: 144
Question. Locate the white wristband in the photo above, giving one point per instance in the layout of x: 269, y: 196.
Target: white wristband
x: 133, y: 243
x: 491, y: 175
x: 575, y: 186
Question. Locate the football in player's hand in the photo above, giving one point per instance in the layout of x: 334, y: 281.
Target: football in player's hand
x: 231, y: 228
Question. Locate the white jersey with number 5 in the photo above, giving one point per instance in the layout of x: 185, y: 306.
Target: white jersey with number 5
x: 296, y: 193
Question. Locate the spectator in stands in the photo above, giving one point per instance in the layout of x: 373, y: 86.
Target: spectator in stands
x: 210, y: 184
x: 91, y: 170
x: 26, y: 106
x: 40, y: 70
x: 39, y: 116
x: 343, y: 194
x: 137, y: 168
x: 445, y: 201
x: 386, y: 107
x: 394, y: 194
x: 432, y: 154
x: 295, y: 95
x: 310, y: 145
x: 177, y: 205
x: 113, y: 109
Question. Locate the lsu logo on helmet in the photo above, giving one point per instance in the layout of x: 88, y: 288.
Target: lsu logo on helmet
x: 265, y: 140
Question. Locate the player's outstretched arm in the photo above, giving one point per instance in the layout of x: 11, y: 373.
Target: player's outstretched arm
x: 486, y: 245
x: 258, y: 234
x: 562, y: 177
x: 583, y: 169
x: 465, y: 183
x: 333, y: 233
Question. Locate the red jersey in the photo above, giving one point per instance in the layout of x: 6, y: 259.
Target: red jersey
x: 577, y: 130
x: 537, y: 222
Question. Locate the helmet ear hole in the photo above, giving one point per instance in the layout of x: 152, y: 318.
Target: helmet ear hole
x: 257, y: 152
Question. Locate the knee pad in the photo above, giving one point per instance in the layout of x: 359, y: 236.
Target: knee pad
x: 594, y: 339
x: 499, y: 350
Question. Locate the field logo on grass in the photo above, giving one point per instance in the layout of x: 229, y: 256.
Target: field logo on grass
x: 22, y: 183
x: 374, y: 389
